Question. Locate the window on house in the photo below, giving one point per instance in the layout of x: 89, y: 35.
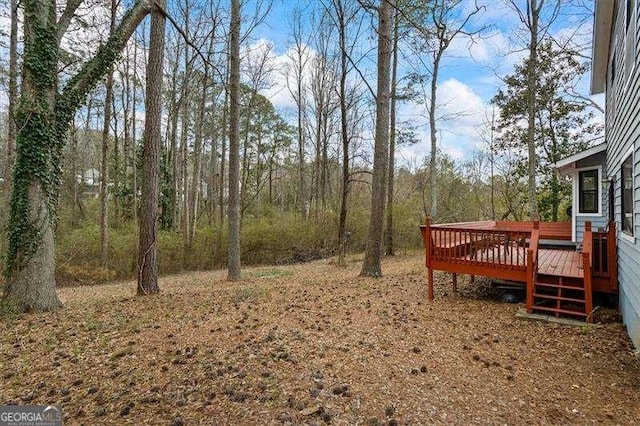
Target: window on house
x: 630, y: 41
x: 627, y: 195
x: 588, y: 191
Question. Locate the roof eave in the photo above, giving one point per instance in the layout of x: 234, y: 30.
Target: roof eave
x: 568, y: 163
x: 602, y: 25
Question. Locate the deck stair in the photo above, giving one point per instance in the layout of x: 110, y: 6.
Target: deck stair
x: 562, y: 284
x: 560, y: 296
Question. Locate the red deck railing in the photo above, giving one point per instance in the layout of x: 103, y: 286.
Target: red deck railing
x: 510, y: 251
x: 505, y: 250
x: 587, y: 250
x: 532, y: 265
x: 604, y: 259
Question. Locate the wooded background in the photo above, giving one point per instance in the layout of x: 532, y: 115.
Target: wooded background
x: 305, y: 174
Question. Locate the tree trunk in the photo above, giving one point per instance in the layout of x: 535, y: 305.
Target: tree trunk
x: 104, y: 173
x: 491, y: 159
x: 371, y: 266
x: 324, y: 161
x: 174, y: 113
x: 197, y: 165
x: 302, y: 199
x: 392, y: 140
x: 74, y: 177
x: 531, y: 107
x: 13, y: 93
x: 344, y: 130
x: 43, y: 119
x: 104, y: 165
x: 126, y: 143
x: 115, y: 175
x: 134, y: 139
x: 223, y: 152
x: 184, y: 148
x: 234, y: 144
x: 244, y: 179
x: 148, y: 249
x: 433, y: 134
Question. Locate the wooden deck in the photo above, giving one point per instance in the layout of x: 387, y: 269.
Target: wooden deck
x: 560, y: 263
x: 511, y: 251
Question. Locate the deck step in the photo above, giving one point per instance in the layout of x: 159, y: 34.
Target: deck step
x: 554, y: 297
x: 559, y: 295
x: 561, y: 311
x: 564, y: 287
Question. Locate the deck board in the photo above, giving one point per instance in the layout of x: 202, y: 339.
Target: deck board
x: 559, y: 263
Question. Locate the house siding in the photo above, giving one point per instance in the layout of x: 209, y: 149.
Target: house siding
x: 623, y: 136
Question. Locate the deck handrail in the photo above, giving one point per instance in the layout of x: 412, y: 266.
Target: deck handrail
x: 474, y: 249
x: 497, y: 249
x: 467, y: 225
x: 587, y: 250
x: 612, y: 257
x: 548, y: 230
x: 604, y: 256
x: 532, y: 264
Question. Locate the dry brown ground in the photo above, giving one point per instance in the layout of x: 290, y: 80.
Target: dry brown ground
x: 313, y: 343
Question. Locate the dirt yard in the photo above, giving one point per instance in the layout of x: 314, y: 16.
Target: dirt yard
x: 313, y: 344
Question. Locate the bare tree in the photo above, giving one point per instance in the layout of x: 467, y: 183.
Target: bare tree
x: 324, y: 104
x: 234, y: 144
x: 299, y: 59
x: 104, y: 165
x: 371, y: 266
x: 392, y: 136
x: 344, y: 16
x: 258, y: 69
x: 442, y: 26
x: 148, y: 249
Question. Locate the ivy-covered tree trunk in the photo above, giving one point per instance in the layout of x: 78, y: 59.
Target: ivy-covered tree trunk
x: 43, y: 119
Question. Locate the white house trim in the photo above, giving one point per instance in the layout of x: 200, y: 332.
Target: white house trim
x: 603, y: 21
x: 564, y: 165
x: 628, y: 237
x: 576, y: 195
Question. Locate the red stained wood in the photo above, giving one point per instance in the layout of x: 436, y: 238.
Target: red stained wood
x: 509, y: 251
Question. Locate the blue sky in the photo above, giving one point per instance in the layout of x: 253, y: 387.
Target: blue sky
x: 470, y: 73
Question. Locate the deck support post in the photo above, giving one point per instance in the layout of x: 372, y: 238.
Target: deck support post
x: 588, y: 270
x: 612, y: 257
x: 530, y: 279
x: 430, y: 284
x: 454, y: 279
x: 473, y: 279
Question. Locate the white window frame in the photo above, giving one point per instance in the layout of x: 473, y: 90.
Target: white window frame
x: 623, y: 234
x: 630, y: 41
x: 576, y: 186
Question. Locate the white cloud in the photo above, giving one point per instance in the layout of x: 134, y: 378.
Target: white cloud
x: 460, y: 113
x: 284, y: 76
x: 481, y: 48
